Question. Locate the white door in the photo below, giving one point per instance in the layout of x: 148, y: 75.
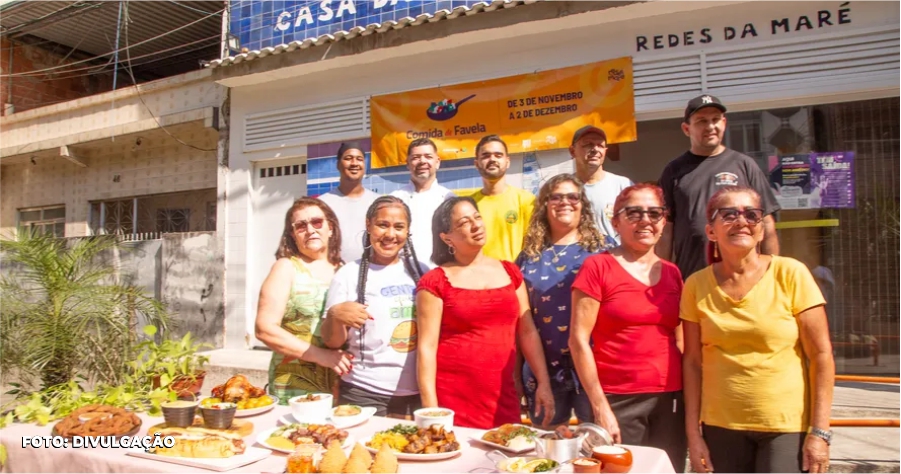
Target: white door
x: 276, y: 184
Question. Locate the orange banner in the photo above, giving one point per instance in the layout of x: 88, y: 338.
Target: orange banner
x: 539, y: 111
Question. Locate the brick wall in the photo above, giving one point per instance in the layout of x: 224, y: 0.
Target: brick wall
x: 29, y: 92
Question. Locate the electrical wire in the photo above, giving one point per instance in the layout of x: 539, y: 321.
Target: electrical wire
x: 111, y: 52
x: 96, y: 69
x: 141, y: 97
x: 191, y: 8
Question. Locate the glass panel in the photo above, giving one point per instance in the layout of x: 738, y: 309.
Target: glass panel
x: 59, y: 229
x: 54, y: 213
x: 29, y: 216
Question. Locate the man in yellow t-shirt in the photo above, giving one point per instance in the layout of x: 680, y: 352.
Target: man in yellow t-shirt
x: 505, y: 210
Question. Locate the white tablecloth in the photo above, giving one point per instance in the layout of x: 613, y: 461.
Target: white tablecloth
x: 472, y: 458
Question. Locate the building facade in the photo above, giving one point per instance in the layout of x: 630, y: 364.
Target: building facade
x: 799, y: 78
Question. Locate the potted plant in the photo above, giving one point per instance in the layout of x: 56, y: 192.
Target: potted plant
x: 173, y: 363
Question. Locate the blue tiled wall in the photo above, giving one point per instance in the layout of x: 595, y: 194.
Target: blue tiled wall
x: 255, y: 22
x: 322, y: 172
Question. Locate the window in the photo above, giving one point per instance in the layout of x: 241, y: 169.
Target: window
x: 147, y: 217
x: 45, y: 220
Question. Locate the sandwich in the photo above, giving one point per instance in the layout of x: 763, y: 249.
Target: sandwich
x: 200, y: 443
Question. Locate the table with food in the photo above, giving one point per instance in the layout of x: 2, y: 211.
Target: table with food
x: 241, y: 428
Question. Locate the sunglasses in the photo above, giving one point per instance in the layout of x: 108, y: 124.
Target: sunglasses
x: 571, y: 198
x: 316, y: 222
x: 729, y: 215
x: 635, y: 214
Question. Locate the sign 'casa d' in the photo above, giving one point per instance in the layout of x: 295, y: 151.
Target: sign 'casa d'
x: 781, y: 26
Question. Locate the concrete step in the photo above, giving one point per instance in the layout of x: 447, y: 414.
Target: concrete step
x: 226, y: 363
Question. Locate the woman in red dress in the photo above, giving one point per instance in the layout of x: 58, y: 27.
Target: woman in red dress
x: 471, y: 310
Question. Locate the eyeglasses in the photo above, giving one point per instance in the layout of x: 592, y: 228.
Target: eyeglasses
x: 635, y: 214
x: 572, y: 198
x: 729, y: 215
x: 316, y: 222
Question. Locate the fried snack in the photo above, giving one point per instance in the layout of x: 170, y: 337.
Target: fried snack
x: 385, y: 461
x: 334, y: 458
x: 359, y: 461
x: 205, y: 444
x: 117, y: 422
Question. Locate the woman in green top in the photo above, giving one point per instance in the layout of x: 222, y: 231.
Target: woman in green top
x: 292, y: 301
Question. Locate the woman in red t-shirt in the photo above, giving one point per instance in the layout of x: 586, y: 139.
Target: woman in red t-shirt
x: 626, y: 301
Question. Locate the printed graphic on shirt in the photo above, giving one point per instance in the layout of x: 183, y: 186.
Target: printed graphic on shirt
x: 404, y: 337
x: 511, y: 217
x: 608, y: 211
x: 726, y: 179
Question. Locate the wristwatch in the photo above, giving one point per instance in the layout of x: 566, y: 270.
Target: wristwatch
x: 822, y: 434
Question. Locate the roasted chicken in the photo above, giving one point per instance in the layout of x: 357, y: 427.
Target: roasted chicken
x: 237, y: 389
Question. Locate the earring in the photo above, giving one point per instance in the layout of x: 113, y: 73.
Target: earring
x: 451, y: 250
x: 759, y: 247
x: 716, y: 248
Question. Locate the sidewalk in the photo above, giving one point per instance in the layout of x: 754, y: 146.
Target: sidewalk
x: 865, y: 449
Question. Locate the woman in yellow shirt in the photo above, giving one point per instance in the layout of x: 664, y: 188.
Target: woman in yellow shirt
x: 757, y: 368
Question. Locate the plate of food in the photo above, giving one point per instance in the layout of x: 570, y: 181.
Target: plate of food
x: 286, y: 438
x: 203, y: 448
x: 410, y: 443
x: 522, y: 463
x: 251, y: 400
x: 512, y: 438
x: 342, y: 416
x: 98, y: 420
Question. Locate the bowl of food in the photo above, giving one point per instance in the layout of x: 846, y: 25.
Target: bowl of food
x: 219, y: 416
x: 179, y: 413
x: 586, y: 465
x: 426, y: 417
x: 614, y: 459
x: 311, y: 408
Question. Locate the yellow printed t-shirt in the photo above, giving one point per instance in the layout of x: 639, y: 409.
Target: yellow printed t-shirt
x: 753, y: 371
x: 506, y: 217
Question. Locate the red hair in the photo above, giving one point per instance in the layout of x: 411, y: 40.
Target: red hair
x: 625, y: 194
x: 714, y: 204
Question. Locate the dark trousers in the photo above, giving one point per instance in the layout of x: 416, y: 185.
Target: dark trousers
x: 385, y: 405
x: 656, y: 420
x: 753, y: 451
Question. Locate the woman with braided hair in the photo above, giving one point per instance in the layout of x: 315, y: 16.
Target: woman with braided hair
x: 370, y: 312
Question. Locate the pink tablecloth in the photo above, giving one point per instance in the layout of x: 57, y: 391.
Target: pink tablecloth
x: 472, y: 458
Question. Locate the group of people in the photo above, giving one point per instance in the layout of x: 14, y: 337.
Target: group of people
x: 661, y: 312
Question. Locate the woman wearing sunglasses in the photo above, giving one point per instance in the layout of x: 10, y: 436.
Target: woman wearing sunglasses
x: 758, y: 362
x: 370, y: 309
x: 472, y: 311
x: 561, y: 235
x: 292, y: 300
x: 627, y: 301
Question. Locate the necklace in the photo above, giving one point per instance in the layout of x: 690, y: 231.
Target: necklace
x: 557, y: 255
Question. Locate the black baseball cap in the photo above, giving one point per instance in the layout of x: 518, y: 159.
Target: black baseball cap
x: 703, y: 101
x: 585, y: 131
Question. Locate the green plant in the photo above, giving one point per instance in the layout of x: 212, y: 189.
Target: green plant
x: 170, y: 359
x: 55, y: 402
x: 64, y: 312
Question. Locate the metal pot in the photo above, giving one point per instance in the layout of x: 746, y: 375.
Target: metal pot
x: 587, y: 436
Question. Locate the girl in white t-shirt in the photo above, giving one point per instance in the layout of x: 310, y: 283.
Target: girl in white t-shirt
x: 370, y: 314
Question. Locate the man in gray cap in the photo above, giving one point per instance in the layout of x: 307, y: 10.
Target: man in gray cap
x: 589, y: 149
x: 690, y: 180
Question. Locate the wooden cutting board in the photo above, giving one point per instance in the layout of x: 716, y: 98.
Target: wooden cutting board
x: 242, y: 428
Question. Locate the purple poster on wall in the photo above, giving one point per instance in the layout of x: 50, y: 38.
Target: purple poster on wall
x: 814, y: 180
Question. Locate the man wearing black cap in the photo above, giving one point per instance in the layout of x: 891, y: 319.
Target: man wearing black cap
x: 690, y: 180
x: 589, y: 149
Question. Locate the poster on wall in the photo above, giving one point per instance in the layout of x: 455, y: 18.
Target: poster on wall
x: 813, y: 180
x: 531, y: 112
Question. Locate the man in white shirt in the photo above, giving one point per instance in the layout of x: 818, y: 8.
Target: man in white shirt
x: 423, y: 195
x: 350, y: 200
x: 589, y: 149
